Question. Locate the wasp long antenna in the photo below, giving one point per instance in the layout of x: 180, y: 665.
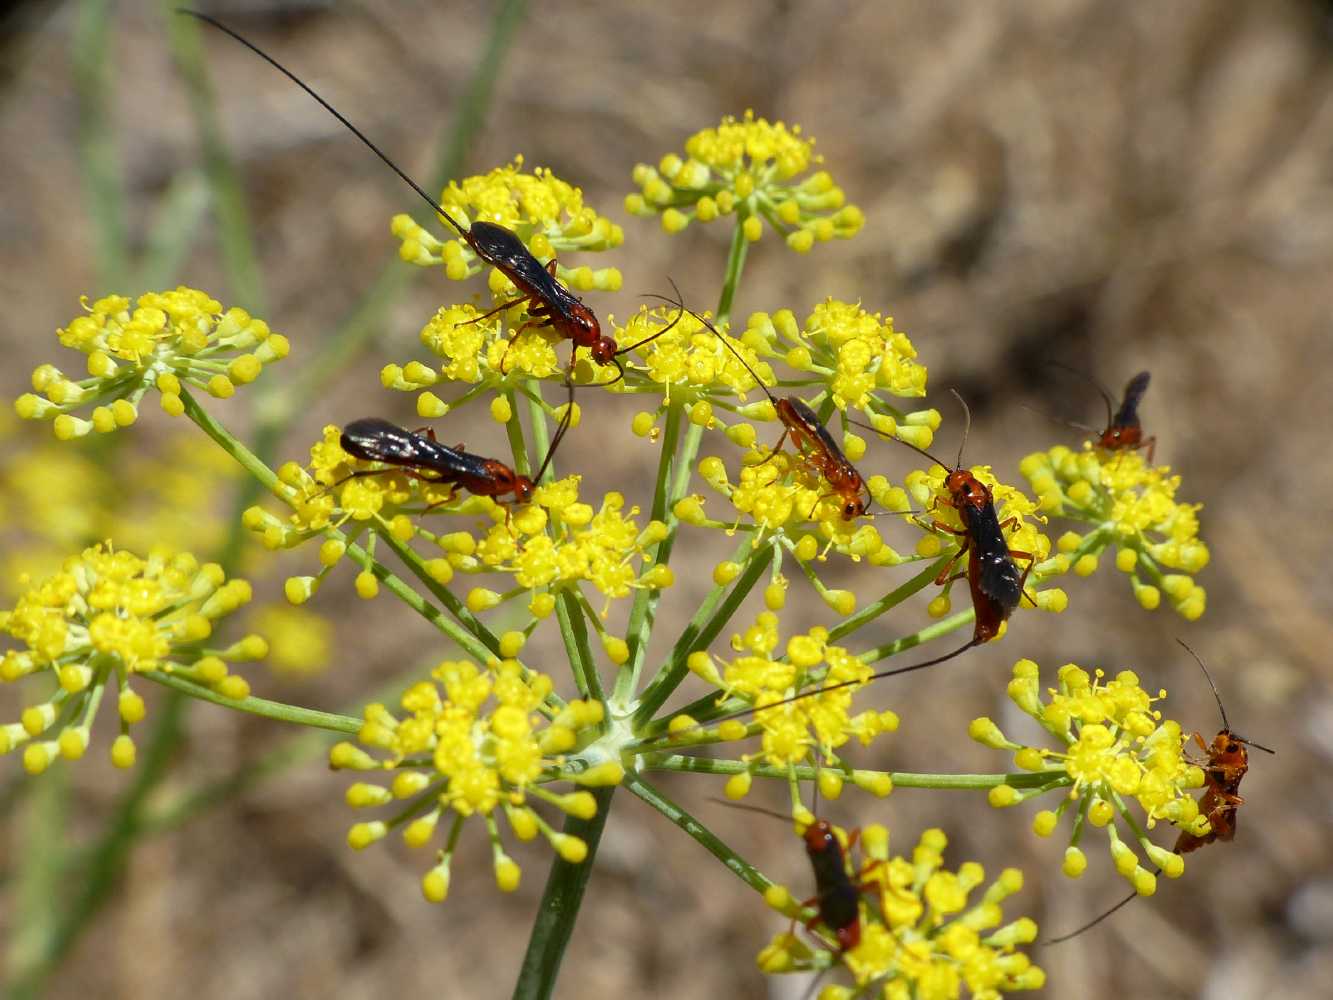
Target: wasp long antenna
x: 1091, y: 923
x: 678, y: 302
x: 1225, y: 724
x: 754, y: 809
x: 725, y: 343
x: 835, y: 687
x: 967, y: 427
x: 207, y: 19
x: 559, y: 433
x: 1061, y: 420
x: 1106, y: 393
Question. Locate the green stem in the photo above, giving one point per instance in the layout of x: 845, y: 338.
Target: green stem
x: 574, y: 632
x: 803, y: 772
x: 942, y: 627
x: 735, y: 265
x: 489, y: 642
x: 559, y: 908
x: 238, y: 248
x: 276, y: 710
x: 707, y: 623
x: 734, y: 863
x: 99, y: 169
x: 641, y: 615
x: 890, y: 600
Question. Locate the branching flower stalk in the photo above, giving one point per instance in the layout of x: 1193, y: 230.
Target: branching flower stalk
x: 524, y: 755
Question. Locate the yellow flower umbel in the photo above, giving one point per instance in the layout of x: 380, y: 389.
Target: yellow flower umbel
x: 928, y: 489
x: 1129, y: 504
x: 924, y: 936
x: 106, y: 616
x: 451, y: 749
x: 1115, y: 747
x: 549, y: 217
x: 166, y: 340
x: 804, y: 730
x: 748, y: 167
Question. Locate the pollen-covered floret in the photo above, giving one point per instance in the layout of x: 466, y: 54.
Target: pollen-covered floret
x: 163, y: 341
x: 794, y: 730
x: 474, y: 741
x: 107, y: 616
x: 921, y: 934
x: 1114, y: 748
x: 749, y: 167
x: 927, y: 488
x: 1131, y: 505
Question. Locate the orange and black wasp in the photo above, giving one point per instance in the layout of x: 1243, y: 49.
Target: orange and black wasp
x: 1123, y: 431
x: 814, y: 443
x: 420, y: 455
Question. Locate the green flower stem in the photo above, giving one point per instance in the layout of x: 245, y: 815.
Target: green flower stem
x: 177, y: 221
x: 275, y: 710
x: 574, y: 632
x: 683, y: 467
x: 244, y: 457
x: 466, y: 641
x: 889, y: 601
x: 108, y: 857
x: 475, y: 628
x: 804, y: 772
x: 559, y: 908
x: 734, y: 863
x: 99, y: 167
x: 514, y: 431
x: 704, y: 627
x: 641, y: 612
x: 942, y: 627
x: 238, y: 248
x: 735, y: 265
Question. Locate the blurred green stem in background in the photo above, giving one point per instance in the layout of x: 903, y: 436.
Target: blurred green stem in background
x: 53, y: 925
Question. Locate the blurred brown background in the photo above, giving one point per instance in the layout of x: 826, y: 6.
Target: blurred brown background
x: 1116, y: 186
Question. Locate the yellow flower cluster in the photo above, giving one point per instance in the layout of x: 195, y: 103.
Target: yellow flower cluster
x: 166, y: 340
x: 924, y: 936
x: 1115, y: 747
x: 1132, y: 505
x: 547, y: 214
x: 105, y: 617
x: 474, y: 741
x: 794, y: 730
x: 747, y: 167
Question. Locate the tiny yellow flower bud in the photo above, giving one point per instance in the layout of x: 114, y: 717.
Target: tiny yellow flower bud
x: 877, y: 783
x: 362, y: 835
x: 939, y: 606
x: 435, y: 884
x: 299, y: 589
x: 36, y: 758
x: 481, y: 599
x: 122, y: 752
x: 572, y: 849
x: 643, y: 423
x: 542, y: 605
x: 1002, y: 796
x: 1100, y: 813
x: 602, y: 775
x: 1075, y: 863
x: 830, y: 783
x: 841, y: 601
x: 732, y: 729
x: 366, y: 585
x: 331, y: 550
x: 431, y: 406
x: 617, y: 650
x: 1085, y: 565
x: 738, y: 785
x: 501, y: 411
x: 725, y: 572
x: 507, y: 873
x: 1043, y: 824
x: 987, y: 733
